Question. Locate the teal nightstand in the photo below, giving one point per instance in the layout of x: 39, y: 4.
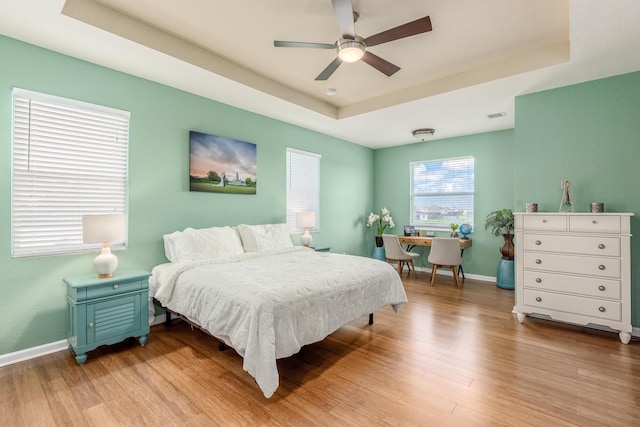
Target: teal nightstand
x: 106, y: 311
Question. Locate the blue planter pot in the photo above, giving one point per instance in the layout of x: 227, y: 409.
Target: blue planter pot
x: 505, y: 278
x: 379, y: 253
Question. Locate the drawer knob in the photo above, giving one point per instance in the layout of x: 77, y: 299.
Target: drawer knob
x: 538, y: 299
x: 601, y: 246
x: 601, y: 267
x: 602, y: 288
x: 91, y: 324
x: 602, y: 309
x: 594, y: 222
x: 538, y: 261
x: 115, y: 286
x: 538, y: 242
x: 538, y: 280
x: 544, y: 220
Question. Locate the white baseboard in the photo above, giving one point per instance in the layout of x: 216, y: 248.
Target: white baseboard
x: 33, y: 352
x: 449, y: 273
x: 43, y: 350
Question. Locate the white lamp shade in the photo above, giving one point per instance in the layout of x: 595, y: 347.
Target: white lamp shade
x: 306, y: 219
x: 106, y: 228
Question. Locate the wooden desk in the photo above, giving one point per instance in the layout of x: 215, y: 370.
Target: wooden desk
x: 426, y: 241
x: 412, y: 241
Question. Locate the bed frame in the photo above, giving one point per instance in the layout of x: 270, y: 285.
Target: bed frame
x: 221, y: 344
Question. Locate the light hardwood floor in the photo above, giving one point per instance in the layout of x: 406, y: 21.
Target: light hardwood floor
x: 450, y: 357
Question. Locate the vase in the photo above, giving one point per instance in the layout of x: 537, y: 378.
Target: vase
x: 507, y: 247
x: 379, y: 242
x: 454, y: 234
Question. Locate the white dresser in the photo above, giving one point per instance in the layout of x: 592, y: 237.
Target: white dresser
x: 575, y: 267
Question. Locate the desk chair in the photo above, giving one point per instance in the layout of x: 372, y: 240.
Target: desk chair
x: 394, y: 252
x: 445, y: 252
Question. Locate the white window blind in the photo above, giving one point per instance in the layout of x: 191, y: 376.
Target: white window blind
x: 442, y: 192
x: 69, y: 160
x: 303, y: 186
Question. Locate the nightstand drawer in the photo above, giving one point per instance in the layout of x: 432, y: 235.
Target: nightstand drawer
x: 115, y: 288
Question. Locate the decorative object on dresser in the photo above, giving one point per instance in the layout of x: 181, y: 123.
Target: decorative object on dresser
x: 106, y: 311
x: 531, y: 207
x: 576, y: 268
x: 105, y: 229
x: 566, y: 202
x: 500, y: 223
x: 596, y: 207
x: 306, y: 220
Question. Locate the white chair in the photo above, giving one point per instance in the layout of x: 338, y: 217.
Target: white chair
x: 445, y: 252
x: 394, y: 252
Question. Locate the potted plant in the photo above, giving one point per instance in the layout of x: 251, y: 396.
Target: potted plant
x: 500, y: 223
x: 454, y: 229
x: 381, y: 222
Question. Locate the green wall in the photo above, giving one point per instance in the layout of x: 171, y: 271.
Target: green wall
x: 585, y: 133
x: 493, y: 154
x: 32, y: 295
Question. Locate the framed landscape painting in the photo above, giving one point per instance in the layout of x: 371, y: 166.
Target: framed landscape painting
x: 218, y: 164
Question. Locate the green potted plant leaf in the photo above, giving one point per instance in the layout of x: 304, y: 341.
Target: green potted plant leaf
x: 500, y: 223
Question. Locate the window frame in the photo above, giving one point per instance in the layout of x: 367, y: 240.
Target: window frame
x: 69, y: 158
x: 445, y: 226
x: 310, y: 199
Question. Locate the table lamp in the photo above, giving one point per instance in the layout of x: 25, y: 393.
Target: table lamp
x: 306, y: 219
x: 104, y: 229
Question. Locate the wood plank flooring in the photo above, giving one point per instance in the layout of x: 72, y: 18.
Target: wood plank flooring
x: 451, y: 357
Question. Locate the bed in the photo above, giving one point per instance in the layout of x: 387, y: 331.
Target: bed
x: 249, y: 287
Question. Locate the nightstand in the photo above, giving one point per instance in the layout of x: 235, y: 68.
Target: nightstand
x: 106, y: 311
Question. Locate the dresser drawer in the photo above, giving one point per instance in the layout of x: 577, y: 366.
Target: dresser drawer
x: 592, y: 307
x: 114, y: 288
x: 587, y: 286
x: 587, y: 245
x: 545, y: 222
x: 595, y: 224
x: 588, y: 266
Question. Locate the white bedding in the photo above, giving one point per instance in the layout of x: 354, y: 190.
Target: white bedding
x: 267, y: 306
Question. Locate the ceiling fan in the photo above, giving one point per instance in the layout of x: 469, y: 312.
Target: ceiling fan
x: 351, y: 47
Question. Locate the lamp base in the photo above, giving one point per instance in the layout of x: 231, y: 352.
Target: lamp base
x: 306, y: 237
x: 105, y: 263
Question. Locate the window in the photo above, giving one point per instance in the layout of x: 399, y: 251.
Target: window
x: 69, y: 160
x: 303, y: 186
x: 442, y: 193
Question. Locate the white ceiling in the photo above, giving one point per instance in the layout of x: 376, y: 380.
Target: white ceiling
x: 479, y: 56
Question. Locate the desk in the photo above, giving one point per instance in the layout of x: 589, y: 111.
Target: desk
x: 412, y: 241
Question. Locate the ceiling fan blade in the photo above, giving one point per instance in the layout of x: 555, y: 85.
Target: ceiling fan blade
x: 326, y: 73
x: 344, y: 13
x: 380, y: 64
x: 282, y: 43
x: 418, y: 26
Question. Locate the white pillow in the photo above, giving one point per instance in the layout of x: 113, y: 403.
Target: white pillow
x: 169, y: 245
x: 265, y: 237
x: 205, y: 243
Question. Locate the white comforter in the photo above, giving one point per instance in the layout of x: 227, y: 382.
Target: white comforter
x: 267, y: 306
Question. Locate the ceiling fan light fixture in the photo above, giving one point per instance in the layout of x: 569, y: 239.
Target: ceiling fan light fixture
x: 350, y: 50
x: 422, y: 133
